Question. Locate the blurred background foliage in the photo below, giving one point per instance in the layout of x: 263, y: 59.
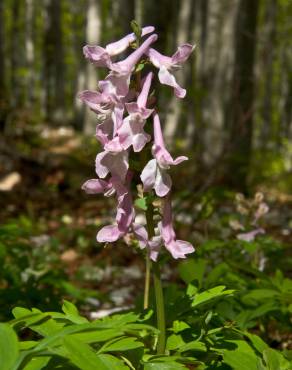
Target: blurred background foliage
x: 236, y: 118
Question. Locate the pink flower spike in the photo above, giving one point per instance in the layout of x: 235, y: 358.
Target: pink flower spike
x: 101, y: 57
x: 177, y: 248
x: 167, y: 65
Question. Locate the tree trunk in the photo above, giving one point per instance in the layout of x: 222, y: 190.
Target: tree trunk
x: 268, y: 70
x: 80, y: 23
x: 242, y: 99
x: 17, y: 55
x: 3, y: 81
x: 93, y: 38
x: 30, y: 55
x: 126, y: 14
x: 54, y: 62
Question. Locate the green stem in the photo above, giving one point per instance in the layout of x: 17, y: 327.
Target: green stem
x: 159, y: 309
x: 157, y: 288
x: 147, y: 282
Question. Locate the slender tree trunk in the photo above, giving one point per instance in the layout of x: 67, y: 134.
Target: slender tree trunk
x: 17, y: 54
x: 3, y: 81
x: 29, y: 45
x: 126, y: 14
x: 287, y: 129
x: 54, y: 62
x: 269, y: 55
x: 79, y: 42
x: 93, y: 38
x: 242, y: 99
x: 174, y: 111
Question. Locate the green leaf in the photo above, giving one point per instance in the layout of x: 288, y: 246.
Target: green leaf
x: 179, y: 326
x: 9, y: 348
x: 36, y: 320
x: 240, y: 360
x: 111, y: 363
x: 121, y: 344
x: 95, y: 336
x: 242, y: 357
x: 141, y: 203
x: 85, y: 358
x: 174, y: 341
x: 257, y: 342
x: 139, y: 67
x: 72, y: 313
x: 193, y: 346
x: 259, y: 295
x: 275, y: 360
x: 210, y: 294
x: 136, y: 29
x: 192, y: 269
x: 27, y: 344
x: 37, y: 363
x: 164, y: 366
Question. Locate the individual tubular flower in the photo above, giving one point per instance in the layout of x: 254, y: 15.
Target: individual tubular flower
x: 108, y: 107
x: 167, y: 65
x: 153, y: 244
x: 115, y: 163
x: 154, y: 175
x: 124, y: 216
x: 251, y: 235
x: 98, y: 186
x: 101, y: 57
x: 119, y: 78
x: 177, y: 248
x: 131, y: 132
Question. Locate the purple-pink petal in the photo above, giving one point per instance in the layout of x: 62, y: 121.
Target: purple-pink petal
x: 148, y: 175
x: 182, y: 54
x: 177, y: 248
x: 95, y: 186
x: 121, y: 45
x: 166, y: 78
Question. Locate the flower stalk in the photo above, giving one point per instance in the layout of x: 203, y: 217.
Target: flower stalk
x: 158, y: 291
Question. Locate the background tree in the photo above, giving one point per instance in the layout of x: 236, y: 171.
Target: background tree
x: 242, y: 103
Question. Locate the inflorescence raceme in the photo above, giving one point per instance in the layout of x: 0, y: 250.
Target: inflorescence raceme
x: 121, y: 104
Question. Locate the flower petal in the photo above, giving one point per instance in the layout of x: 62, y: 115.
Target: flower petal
x: 108, y: 234
x: 148, y: 175
x: 182, y: 54
x: 166, y: 78
x: 97, y: 55
x: 180, y: 159
x: 95, y: 186
x: 101, y: 169
x: 179, y: 248
x: 162, y: 182
x: 117, y: 47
